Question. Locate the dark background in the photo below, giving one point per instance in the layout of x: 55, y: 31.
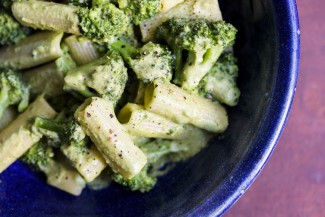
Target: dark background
x: 292, y: 183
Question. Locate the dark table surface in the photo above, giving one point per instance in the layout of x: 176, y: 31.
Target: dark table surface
x: 292, y: 183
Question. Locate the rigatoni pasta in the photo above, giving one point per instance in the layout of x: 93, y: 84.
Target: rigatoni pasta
x: 141, y: 122
x: 17, y: 137
x: 32, y: 51
x: 89, y: 164
x: 40, y: 15
x: 180, y: 106
x: 97, y: 117
x: 82, y: 49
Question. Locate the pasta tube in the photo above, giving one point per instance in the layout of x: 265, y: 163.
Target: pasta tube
x: 48, y: 16
x: 96, y: 117
x: 17, y: 137
x: 139, y: 98
x: 65, y: 178
x: 32, y: 51
x: 176, y: 104
x: 89, y: 164
x: 82, y: 49
x: 8, y: 116
x: 45, y: 79
x: 167, y: 4
x: 141, y: 122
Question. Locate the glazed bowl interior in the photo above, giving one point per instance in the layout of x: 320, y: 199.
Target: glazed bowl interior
x: 268, y: 52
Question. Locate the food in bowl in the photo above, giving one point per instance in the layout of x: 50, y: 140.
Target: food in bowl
x: 98, y: 103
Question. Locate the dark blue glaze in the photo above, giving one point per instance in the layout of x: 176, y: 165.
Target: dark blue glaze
x: 207, y: 185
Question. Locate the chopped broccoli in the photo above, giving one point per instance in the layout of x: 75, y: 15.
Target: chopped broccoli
x: 150, y: 62
x: 200, y: 42
x: 155, y: 150
x: 68, y: 130
x: 220, y: 81
x: 39, y: 156
x: 103, y: 23
x: 140, y: 10
x: 100, y: 23
x: 13, y: 91
x: 11, y: 31
x: 141, y: 182
x: 105, y: 77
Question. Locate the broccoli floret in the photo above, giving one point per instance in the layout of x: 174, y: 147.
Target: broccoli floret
x: 103, y: 23
x: 220, y: 81
x: 67, y: 129
x: 13, y: 91
x: 150, y: 62
x: 11, y: 31
x: 198, y: 41
x: 141, y: 182
x: 155, y: 150
x: 140, y: 10
x: 39, y: 156
x: 105, y: 77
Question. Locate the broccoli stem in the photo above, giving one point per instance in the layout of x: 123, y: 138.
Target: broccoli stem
x: 47, y: 124
x: 198, y: 64
x: 126, y: 50
x: 178, y: 65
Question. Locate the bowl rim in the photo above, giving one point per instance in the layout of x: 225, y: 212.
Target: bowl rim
x: 288, y: 59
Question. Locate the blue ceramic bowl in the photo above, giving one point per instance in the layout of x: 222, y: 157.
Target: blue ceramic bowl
x: 207, y: 185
